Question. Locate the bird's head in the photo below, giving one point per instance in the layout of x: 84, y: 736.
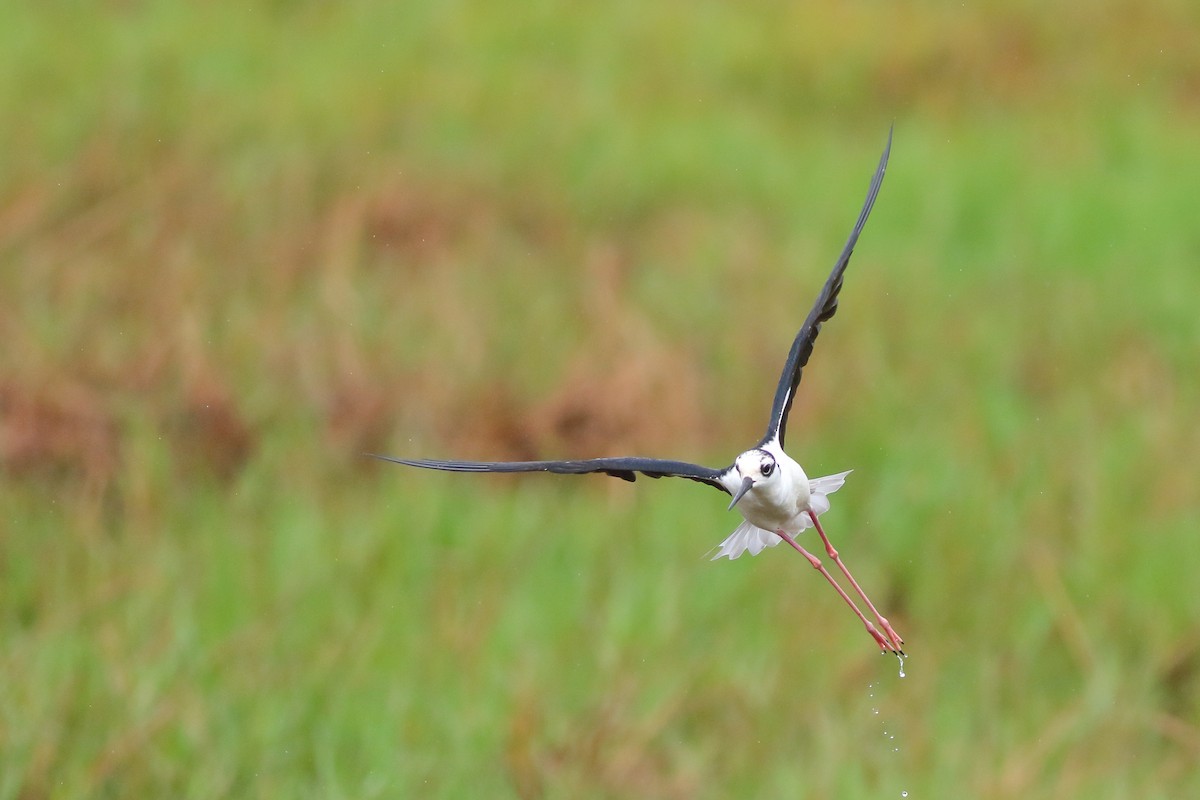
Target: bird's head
x: 757, y: 468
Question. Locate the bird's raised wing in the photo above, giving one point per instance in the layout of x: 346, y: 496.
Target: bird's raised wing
x: 624, y: 468
x: 822, y: 310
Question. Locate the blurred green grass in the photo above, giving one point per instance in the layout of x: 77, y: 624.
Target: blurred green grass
x: 240, y: 246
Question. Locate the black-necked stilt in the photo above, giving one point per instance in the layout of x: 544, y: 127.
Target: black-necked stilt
x: 769, y: 488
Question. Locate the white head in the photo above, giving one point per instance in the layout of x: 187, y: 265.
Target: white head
x: 758, y: 469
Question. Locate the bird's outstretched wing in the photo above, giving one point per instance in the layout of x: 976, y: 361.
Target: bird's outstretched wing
x: 624, y: 468
x: 822, y: 310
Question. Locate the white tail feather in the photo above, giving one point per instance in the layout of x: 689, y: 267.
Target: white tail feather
x: 829, y: 484
x: 746, y: 537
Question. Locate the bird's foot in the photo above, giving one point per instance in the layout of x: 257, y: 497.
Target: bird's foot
x: 897, y: 644
x: 889, y: 644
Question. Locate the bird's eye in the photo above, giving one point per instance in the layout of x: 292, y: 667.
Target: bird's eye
x: 767, y: 468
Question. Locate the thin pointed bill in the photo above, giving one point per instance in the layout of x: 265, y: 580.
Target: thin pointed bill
x: 747, y: 483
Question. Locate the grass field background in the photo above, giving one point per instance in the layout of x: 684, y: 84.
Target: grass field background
x: 239, y: 247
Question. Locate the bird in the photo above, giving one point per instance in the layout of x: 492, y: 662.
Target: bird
x: 768, y: 487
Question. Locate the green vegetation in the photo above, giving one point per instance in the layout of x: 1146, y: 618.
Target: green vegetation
x: 240, y: 247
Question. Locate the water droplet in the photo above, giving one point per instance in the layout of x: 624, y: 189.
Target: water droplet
x: 904, y: 794
x: 901, y: 658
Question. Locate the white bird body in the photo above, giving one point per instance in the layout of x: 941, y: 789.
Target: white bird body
x: 776, y: 501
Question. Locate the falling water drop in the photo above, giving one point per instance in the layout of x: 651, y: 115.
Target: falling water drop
x: 901, y: 658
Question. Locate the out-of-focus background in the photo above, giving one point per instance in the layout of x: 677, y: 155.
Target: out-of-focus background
x: 239, y: 247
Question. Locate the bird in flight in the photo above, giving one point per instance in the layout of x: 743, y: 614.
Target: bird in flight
x: 775, y: 497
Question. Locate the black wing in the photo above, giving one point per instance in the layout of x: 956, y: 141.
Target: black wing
x: 822, y: 310
x: 624, y: 468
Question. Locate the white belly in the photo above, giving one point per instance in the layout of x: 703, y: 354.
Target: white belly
x: 781, y: 507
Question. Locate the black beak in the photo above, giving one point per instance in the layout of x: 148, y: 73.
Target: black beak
x: 747, y: 483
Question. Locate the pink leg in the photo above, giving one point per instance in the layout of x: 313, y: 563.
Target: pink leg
x: 884, y: 644
x: 893, y: 637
